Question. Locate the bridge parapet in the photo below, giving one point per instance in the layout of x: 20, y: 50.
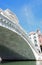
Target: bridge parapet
x: 5, y: 22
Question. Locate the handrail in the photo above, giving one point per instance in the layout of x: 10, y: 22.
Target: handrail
x: 18, y: 29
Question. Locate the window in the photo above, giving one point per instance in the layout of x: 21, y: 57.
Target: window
x: 35, y: 41
x: 34, y: 37
x: 36, y: 45
x: 34, y: 34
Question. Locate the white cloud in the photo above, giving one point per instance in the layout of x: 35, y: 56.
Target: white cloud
x: 29, y: 10
x: 28, y: 15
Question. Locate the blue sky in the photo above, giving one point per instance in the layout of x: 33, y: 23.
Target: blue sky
x: 29, y: 12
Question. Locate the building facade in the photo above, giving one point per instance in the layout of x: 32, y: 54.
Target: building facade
x: 36, y: 38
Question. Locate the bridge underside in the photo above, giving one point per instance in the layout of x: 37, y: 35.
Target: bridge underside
x: 13, y: 46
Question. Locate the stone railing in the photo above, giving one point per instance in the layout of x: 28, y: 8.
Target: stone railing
x: 18, y: 29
